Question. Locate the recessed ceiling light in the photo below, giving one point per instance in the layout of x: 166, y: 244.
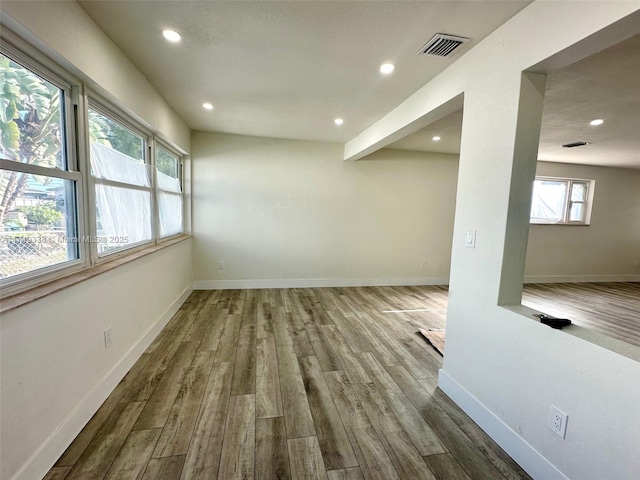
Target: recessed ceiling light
x: 207, y: 106
x: 172, y: 36
x: 387, y: 68
x: 436, y: 139
x: 338, y: 121
x: 596, y: 122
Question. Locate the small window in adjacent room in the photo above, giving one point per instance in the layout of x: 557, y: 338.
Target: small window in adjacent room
x: 561, y: 201
x: 168, y: 193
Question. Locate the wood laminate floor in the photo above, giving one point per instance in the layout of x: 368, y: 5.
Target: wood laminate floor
x: 609, y: 308
x: 325, y: 383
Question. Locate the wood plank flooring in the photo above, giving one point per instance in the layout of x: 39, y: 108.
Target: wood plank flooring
x: 612, y: 309
x: 292, y: 384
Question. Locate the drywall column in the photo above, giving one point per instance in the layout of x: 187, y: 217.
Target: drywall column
x: 495, y: 107
x: 523, y: 171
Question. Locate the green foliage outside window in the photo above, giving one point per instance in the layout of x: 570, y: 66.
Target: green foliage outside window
x: 44, y: 214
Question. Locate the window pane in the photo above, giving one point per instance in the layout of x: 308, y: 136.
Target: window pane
x: 123, y: 217
x: 166, y: 163
x: 167, y: 183
x: 578, y: 192
x: 170, y: 212
x: 38, y: 222
x: 576, y: 212
x: 31, y: 120
x: 112, y: 165
x: 107, y: 132
x: 548, y: 205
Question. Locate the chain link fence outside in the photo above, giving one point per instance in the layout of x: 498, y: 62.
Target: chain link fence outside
x: 22, y: 252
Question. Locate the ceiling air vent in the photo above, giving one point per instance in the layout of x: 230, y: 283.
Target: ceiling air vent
x: 574, y: 144
x: 442, y: 45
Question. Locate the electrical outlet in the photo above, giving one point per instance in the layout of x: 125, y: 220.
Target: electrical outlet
x: 220, y: 264
x: 423, y: 264
x: 558, y: 421
x: 107, y: 338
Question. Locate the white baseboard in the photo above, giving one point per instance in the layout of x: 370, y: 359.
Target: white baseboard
x: 580, y: 278
x: 317, y: 282
x: 524, y: 454
x: 388, y: 281
x: 46, y: 456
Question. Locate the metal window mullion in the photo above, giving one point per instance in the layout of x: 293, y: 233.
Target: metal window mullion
x: 75, y: 162
x: 84, y: 165
x: 567, y: 201
x: 73, y: 132
x: 114, y: 183
x: 92, y: 210
x: 160, y: 190
x: 155, y: 213
x: 38, y: 170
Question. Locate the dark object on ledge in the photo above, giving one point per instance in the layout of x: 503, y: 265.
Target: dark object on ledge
x: 557, y: 323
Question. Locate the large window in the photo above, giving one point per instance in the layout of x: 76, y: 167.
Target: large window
x: 563, y: 201
x: 122, y: 179
x: 39, y: 177
x: 64, y: 207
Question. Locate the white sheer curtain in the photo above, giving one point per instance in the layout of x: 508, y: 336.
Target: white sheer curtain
x: 123, y: 214
x: 112, y: 165
x: 169, y: 197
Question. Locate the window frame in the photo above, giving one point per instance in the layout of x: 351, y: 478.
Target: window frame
x: 159, y: 143
x: 70, y: 105
x: 97, y: 103
x: 588, y: 203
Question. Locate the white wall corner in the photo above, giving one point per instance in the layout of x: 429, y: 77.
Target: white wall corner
x: 317, y: 282
x: 516, y: 447
x: 46, y: 456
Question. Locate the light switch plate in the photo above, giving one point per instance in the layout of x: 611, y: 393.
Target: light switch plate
x: 471, y: 239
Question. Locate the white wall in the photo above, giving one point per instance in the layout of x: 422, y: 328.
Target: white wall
x: 608, y: 248
x: 54, y: 369
x: 290, y: 210
x: 306, y: 215
x: 501, y: 366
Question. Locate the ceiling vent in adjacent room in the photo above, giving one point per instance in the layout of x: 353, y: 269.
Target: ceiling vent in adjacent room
x: 442, y: 45
x: 574, y: 144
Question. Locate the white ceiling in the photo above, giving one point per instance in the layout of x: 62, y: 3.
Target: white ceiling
x: 287, y: 69
x: 448, y: 128
x: 604, y: 85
